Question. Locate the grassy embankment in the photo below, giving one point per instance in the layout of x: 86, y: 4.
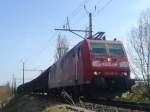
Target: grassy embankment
x: 5, y: 93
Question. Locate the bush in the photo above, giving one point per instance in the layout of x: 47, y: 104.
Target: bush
x: 137, y: 94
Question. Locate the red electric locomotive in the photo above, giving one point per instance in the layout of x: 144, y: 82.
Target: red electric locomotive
x: 93, y: 67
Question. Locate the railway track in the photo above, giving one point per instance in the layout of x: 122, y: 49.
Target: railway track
x: 114, y: 103
x: 118, y: 104
x: 95, y: 104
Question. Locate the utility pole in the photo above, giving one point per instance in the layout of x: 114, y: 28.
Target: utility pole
x: 90, y: 25
x: 89, y: 13
x: 23, y: 74
x: 14, y: 85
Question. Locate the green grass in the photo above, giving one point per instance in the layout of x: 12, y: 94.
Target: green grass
x: 137, y: 94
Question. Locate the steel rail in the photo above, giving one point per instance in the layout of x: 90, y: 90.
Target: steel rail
x: 120, y: 104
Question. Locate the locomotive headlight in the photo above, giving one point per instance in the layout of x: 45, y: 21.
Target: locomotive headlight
x: 109, y: 59
x: 124, y: 64
x: 125, y: 73
x: 95, y: 73
x: 96, y: 63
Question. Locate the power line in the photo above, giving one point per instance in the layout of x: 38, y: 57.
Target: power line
x: 73, y: 13
x: 51, y: 39
x: 79, y: 10
x: 76, y: 11
x: 101, y: 9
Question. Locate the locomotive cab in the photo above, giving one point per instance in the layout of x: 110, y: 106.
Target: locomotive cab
x: 110, y: 66
x: 109, y: 59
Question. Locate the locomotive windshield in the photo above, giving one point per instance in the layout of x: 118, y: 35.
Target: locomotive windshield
x: 107, y: 49
x: 99, y: 49
x: 115, y: 50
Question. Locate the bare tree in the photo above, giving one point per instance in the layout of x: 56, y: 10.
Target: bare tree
x: 140, y: 42
x: 61, y: 47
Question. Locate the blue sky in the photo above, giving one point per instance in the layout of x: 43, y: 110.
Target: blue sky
x: 27, y: 29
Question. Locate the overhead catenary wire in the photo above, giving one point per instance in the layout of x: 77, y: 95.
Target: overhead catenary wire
x: 102, y: 8
x: 76, y: 11
x: 97, y: 10
x: 53, y: 36
x: 73, y: 14
x: 80, y: 10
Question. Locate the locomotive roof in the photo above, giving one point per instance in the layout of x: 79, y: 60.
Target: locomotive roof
x: 105, y: 41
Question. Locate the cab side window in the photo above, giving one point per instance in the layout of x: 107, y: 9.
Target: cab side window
x: 79, y: 52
